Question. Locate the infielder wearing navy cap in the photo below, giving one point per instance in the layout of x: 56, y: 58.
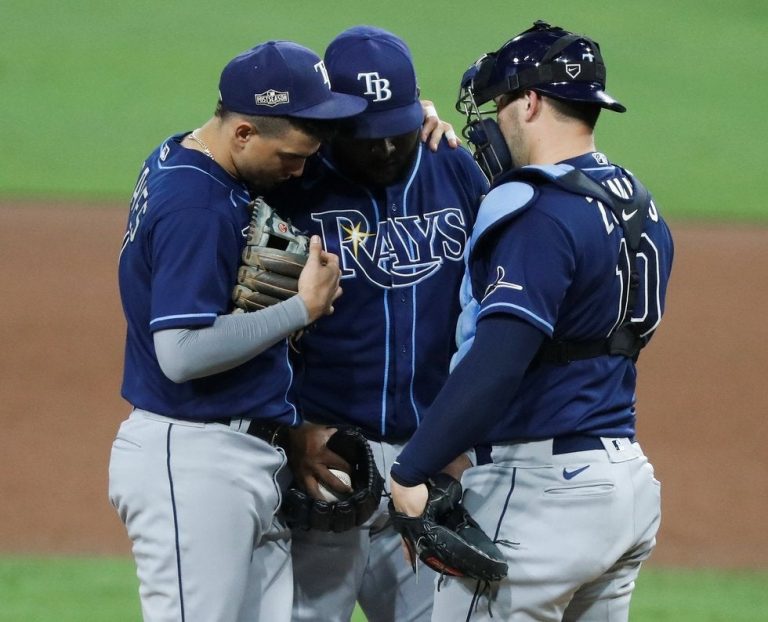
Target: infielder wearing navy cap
x: 375, y: 64
x: 283, y: 78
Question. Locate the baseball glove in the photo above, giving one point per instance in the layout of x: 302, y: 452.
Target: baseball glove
x: 305, y: 512
x: 446, y: 538
x: 274, y: 255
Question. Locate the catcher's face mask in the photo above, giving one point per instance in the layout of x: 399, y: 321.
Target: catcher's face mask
x: 481, y: 131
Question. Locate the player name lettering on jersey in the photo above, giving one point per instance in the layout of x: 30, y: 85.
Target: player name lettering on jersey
x: 139, y: 202
x: 622, y: 188
x: 400, y: 251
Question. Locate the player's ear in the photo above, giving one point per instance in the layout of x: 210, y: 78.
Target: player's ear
x: 244, y: 131
x: 532, y: 102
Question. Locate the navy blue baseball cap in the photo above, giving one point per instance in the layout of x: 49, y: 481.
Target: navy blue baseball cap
x: 283, y: 78
x: 375, y: 64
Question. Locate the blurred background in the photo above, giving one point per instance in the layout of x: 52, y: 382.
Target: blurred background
x: 88, y: 89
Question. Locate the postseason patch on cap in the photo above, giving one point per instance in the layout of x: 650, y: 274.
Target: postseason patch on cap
x: 283, y: 78
x: 272, y: 98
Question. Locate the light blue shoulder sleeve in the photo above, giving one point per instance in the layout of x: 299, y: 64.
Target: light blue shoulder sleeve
x: 499, y: 203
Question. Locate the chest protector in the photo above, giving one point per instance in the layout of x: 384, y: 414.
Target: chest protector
x: 625, y: 339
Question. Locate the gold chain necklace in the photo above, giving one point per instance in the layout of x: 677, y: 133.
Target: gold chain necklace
x: 200, y: 142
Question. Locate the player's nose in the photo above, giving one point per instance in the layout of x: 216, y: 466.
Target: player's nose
x: 296, y: 170
x: 384, y: 147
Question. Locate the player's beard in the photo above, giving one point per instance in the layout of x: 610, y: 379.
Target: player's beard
x: 364, y: 161
x: 513, y: 136
x: 260, y: 181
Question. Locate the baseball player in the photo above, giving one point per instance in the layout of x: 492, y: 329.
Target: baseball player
x: 567, y: 271
x: 398, y: 215
x: 194, y: 469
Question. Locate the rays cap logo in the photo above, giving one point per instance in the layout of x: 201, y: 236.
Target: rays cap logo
x: 283, y: 78
x: 375, y: 64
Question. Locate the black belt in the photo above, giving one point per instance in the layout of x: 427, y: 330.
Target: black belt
x: 276, y: 434
x: 577, y: 442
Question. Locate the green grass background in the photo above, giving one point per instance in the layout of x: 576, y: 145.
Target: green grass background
x: 88, y: 88
x: 81, y: 590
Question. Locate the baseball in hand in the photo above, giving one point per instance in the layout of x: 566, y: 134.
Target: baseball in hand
x: 329, y: 495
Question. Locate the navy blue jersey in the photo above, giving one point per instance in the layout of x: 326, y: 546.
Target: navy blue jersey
x: 178, y: 263
x: 381, y: 358
x: 557, y: 261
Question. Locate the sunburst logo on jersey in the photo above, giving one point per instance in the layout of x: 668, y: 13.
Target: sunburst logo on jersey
x: 356, y: 236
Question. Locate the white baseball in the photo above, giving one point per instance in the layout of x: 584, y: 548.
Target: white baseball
x: 329, y: 495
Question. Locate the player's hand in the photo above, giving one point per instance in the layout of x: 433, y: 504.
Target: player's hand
x: 410, y: 500
x: 310, y: 459
x: 319, y: 280
x: 433, y: 129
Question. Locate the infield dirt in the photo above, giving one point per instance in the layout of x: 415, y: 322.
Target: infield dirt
x: 702, y: 402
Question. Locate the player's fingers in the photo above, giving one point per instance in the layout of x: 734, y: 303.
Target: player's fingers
x: 329, y: 259
x: 428, y: 128
x: 435, y: 132
x: 436, y: 136
x: 329, y: 459
x: 310, y: 485
x: 431, y: 120
x: 453, y: 140
x: 316, y: 248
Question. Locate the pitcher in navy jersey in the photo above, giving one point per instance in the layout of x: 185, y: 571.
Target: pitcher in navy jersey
x: 565, y: 282
x: 398, y: 215
x: 194, y: 469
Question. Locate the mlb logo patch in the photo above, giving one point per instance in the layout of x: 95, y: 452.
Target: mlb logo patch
x: 272, y: 98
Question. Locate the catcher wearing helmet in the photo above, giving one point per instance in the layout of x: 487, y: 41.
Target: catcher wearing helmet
x: 567, y: 272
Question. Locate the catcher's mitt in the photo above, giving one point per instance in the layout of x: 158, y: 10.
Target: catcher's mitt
x: 305, y: 512
x: 274, y: 255
x: 446, y: 538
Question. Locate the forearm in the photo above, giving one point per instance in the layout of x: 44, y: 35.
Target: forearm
x: 185, y: 354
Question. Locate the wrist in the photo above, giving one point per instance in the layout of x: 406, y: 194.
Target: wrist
x: 400, y: 476
x: 312, y: 311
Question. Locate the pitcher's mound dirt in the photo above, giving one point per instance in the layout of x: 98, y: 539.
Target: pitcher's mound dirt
x: 702, y: 401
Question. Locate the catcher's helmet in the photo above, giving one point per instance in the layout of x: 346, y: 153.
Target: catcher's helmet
x: 546, y: 59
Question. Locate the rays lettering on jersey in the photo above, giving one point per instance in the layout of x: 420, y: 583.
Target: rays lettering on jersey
x: 401, y: 251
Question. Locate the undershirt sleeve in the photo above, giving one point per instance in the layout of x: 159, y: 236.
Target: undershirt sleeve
x: 475, y: 396
x: 188, y: 353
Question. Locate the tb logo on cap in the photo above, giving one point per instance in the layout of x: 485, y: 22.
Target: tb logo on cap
x: 320, y: 68
x: 375, y: 85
